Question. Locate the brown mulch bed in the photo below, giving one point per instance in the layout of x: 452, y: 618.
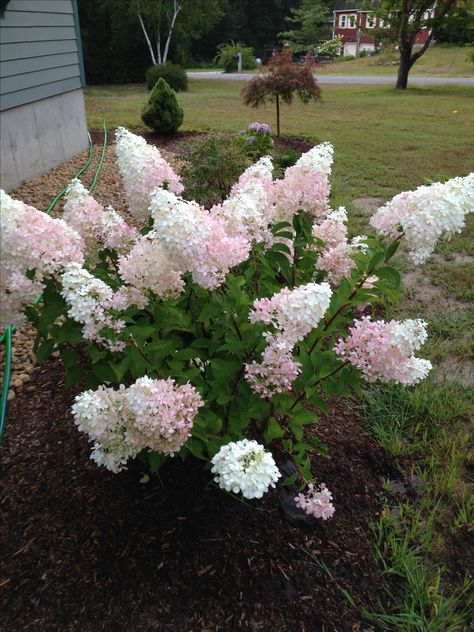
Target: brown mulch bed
x: 85, y: 550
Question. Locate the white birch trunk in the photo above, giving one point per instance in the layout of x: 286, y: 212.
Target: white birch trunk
x: 150, y: 47
x: 177, y: 9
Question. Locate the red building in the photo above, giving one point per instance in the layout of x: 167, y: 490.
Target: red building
x: 355, y: 25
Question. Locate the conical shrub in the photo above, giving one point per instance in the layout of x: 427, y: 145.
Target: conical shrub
x: 162, y: 113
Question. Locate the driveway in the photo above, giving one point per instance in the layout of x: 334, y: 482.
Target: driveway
x: 370, y: 80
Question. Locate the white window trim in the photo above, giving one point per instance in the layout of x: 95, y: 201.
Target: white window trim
x: 343, y: 21
x: 368, y: 19
x: 352, y: 16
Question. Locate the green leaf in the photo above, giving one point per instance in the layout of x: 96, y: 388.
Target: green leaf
x: 377, y: 258
x: 155, y: 461
x: 45, y: 350
x: 73, y: 376
x: 391, y: 250
x: 315, y: 400
x: 390, y: 274
x: 273, y: 430
x: 225, y: 368
x: 69, y: 357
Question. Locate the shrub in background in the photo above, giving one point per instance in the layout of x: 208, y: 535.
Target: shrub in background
x: 284, y: 159
x: 329, y: 49
x: 212, y: 168
x: 162, y: 113
x: 226, y: 57
x: 174, y: 75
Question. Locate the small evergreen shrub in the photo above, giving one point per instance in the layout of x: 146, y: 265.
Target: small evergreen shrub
x: 162, y: 113
x: 174, y: 75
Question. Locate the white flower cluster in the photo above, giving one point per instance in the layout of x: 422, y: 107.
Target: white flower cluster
x: 410, y: 334
x: 90, y: 302
x: 318, y: 159
x: 143, y: 169
x: 427, y: 214
x: 245, y: 466
x: 294, y: 313
x: 247, y: 213
x: 151, y: 414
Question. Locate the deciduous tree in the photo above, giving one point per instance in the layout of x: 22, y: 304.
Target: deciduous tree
x: 160, y: 20
x: 282, y: 78
x: 405, y: 20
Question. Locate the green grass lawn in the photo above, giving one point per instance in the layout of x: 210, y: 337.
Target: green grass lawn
x: 447, y: 61
x: 385, y: 140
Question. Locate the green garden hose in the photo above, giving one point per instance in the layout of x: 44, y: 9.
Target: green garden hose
x: 10, y: 330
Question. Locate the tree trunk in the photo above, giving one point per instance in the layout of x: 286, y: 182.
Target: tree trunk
x: 150, y: 47
x: 278, y: 114
x: 176, y: 10
x: 403, y: 70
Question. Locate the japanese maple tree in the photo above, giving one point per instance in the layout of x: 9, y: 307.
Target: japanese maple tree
x: 282, y: 78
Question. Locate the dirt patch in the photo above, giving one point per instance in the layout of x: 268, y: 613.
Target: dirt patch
x: 86, y: 550
x: 367, y: 205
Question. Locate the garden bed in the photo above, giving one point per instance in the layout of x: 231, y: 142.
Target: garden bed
x: 88, y: 550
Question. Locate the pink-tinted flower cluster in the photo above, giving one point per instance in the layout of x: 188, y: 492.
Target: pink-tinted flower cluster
x: 427, y: 214
x: 194, y: 240
x: 163, y: 414
x: 147, y: 269
x: 316, y: 503
x: 33, y: 243
x: 143, y: 169
x: 305, y: 186
x: 385, y: 351
x: 151, y: 414
x: 335, y: 257
x: 293, y: 314
x: 99, y: 227
x: 276, y: 371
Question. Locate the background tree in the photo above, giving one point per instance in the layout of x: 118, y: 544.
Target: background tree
x: 160, y: 19
x: 310, y: 24
x: 282, y: 78
x: 406, y: 18
x: 255, y: 23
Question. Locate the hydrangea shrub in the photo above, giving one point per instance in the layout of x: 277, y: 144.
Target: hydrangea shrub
x: 256, y: 139
x: 220, y: 333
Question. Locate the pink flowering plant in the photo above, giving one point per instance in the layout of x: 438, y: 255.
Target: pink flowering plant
x: 220, y: 333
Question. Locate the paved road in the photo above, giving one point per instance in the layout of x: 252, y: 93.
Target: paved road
x: 350, y: 79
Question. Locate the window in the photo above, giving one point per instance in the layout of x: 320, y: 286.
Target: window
x: 352, y: 21
x: 342, y: 21
x: 370, y: 21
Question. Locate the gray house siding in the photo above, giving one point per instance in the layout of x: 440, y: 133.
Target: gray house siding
x: 42, y: 114
x: 40, y: 53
